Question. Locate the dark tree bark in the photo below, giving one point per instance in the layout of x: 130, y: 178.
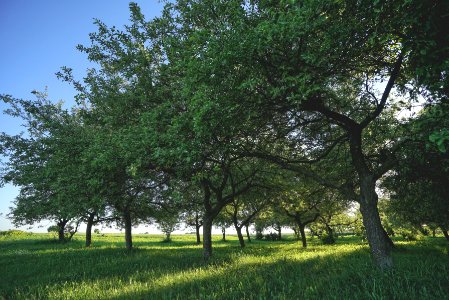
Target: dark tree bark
x: 197, y: 229
x: 61, y: 230
x: 240, y: 236
x: 379, y: 243
x: 330, y: 235
x: 247, y: 233
x: 128, y: 229
x: 90, y: 222
x: 207, y: 237
x: 223, y: 231
x: 279, y: 230
x: 303, y: 235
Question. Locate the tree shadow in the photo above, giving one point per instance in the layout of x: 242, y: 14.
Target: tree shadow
x: 176, y: 270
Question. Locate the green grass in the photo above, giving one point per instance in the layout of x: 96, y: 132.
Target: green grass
x: 35, y: 266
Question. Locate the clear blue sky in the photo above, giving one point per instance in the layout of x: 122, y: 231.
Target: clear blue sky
x: 37, y: 38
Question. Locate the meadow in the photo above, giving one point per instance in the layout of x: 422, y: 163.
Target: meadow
x: 35, y: 266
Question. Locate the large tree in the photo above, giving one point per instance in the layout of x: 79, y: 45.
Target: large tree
x: 318, y: 73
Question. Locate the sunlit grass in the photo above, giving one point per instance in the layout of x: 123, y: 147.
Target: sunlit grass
x: 37, y: 267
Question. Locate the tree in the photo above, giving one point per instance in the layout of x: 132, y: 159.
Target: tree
x: 168, y: 221
x: 48, y: 164
x: 242, y: 211
x: 418, y: 185
x: 319, y: 72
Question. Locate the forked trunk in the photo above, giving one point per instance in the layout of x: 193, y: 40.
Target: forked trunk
x: 128, y: 228
x: 61, y: 230
x: 90, y: 222
x: 330, y: 235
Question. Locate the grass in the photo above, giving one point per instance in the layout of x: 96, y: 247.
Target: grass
x: 35, y: 266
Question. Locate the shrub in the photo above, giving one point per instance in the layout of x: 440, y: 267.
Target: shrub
x: 272, y: 236
x: 327, y: 239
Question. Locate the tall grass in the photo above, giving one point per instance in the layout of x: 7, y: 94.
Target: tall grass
x: 37, y: 267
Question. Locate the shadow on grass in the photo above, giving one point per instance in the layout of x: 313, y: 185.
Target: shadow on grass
x: 265, y: 270
x: 350, y: 275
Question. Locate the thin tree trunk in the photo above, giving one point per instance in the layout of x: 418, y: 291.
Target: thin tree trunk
x: 198, y: 236
x: 303, y: 235
x: 207, y: 237
x: 128, y: 229
x: 379, y: 243
x: 239, y: 234
x: 223, y: 231
x: 280, y: 232
x: 197, y: 229
x: 247, y: 233
x: 90, y: 222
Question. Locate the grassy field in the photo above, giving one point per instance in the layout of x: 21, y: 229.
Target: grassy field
x: 35, y: 266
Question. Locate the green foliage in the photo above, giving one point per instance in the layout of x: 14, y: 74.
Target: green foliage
x: 53, y: 228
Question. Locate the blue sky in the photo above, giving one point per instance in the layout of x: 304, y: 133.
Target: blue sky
x: 37, y: 38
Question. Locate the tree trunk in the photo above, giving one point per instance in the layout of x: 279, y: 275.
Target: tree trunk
x: 61, y: 228
x: 198, y: 237
x: 379, y: 243
x: 90, y: 222
x: 247, y: 233
x: 303, y: 235
x: 207, y: 237
x: 330, y: 234
x: 197, y: 229
x: 445, y: 233
x: 223, y: 231
x: 239, y: 234
x: 128, y: 228
x: 279, y: 230
x: 433, y: 232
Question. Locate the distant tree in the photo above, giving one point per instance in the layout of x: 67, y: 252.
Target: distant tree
x: 418, y: 187
x: 167, y: 222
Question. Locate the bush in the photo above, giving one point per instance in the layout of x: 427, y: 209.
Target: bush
x: 97, y: 231
x: 259, y: 235
x: 272, y: 237
x: 327, y: 239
